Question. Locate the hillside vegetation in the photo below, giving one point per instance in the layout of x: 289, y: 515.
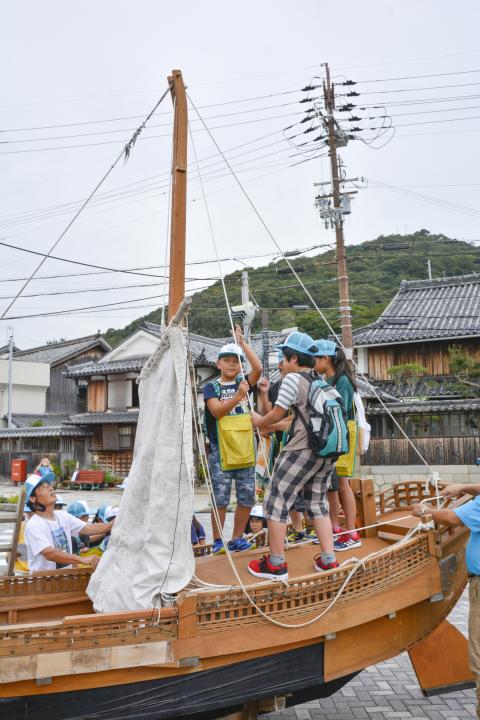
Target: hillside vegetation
x: 375, y: 270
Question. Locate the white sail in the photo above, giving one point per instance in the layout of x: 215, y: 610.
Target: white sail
x: 150, y: 548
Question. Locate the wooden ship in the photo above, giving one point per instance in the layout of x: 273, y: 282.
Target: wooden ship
x: 223, y: 649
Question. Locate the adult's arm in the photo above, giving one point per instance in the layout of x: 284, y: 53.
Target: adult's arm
x: 454, y: 490
x: 440, y: 516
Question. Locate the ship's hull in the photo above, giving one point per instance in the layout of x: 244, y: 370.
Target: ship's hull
x: 200, y: 695
x: 213, y: 652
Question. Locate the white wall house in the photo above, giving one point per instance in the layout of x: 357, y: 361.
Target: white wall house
x: 30, y: 383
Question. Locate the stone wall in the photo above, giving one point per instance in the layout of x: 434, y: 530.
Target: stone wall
x: 385, y: 475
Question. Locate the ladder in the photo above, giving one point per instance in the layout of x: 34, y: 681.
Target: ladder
x: 15, y: 519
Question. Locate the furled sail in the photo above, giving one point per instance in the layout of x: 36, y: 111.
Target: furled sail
x: 150, y: 548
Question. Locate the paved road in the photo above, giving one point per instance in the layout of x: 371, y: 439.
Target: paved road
x: 389, y: 690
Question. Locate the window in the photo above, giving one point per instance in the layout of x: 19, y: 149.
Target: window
x: 135, y: 398
x: 125, y: 436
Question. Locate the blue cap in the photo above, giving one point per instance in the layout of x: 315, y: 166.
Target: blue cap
x: 325, y: 347
x: 31, y: 483
x: 281, y: 357
x: 301, y: 342
x: 78, y: 508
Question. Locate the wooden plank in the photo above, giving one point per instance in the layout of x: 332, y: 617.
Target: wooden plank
x: 440, y: 661
x: 16, y: 533
x: 83, y: 661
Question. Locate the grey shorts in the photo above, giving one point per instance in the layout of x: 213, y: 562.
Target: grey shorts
x: 222, y: 482
x: 298, y: 472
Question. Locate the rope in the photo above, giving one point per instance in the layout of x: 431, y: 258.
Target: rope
x: 272, y: 237
x: 358, y: 563
x: 125, y: 153
x: 222, y: 279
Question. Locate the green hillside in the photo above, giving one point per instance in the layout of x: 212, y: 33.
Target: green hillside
x: 375, y: 270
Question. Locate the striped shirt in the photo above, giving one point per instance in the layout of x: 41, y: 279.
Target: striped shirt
x: 288, y: 393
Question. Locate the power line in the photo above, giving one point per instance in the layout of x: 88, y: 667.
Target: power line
x: 421, y: 89
x: 149, y: 137
x: 121, y: 130
x: 123, y: 154
x: 416, y: 77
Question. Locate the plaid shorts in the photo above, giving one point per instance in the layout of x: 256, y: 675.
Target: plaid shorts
x: 297, y: 472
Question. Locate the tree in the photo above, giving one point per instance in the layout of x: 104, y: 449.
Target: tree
x: 464, y: 367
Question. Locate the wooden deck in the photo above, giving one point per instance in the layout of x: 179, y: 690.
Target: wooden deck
x: 216, y: 569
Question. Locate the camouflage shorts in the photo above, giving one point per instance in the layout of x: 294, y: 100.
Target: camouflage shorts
x: 222, y: 482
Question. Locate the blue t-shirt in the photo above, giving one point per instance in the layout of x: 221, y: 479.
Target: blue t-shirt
x: 227, y: 392
x: 469, y: 514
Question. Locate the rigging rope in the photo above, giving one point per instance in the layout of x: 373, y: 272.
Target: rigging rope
x: 125, y: 153
x: 325, y: 320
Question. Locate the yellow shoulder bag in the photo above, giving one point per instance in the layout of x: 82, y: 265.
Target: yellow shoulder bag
x: 236, y: 442
x: 345, y: 465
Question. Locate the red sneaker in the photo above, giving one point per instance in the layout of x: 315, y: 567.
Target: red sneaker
x: 320, y: 566
x: 263, y: 568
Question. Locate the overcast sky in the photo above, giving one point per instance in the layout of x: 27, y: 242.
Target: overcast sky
x: 68, y: 63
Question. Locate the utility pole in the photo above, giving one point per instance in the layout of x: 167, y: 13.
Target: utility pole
x: 429, y: 268
x: 344, y: 306
x: 10, y: 377
x: 176, y: 291
x: 265, y: 344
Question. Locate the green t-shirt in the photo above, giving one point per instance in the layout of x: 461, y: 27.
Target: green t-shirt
x: 345, y: 389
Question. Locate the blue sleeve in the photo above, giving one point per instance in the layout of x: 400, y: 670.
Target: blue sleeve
x: 209, y: 392
x: 193, y: 534
x: 469, y: 514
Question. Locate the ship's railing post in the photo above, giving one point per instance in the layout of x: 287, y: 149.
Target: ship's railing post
x: 187, y: 617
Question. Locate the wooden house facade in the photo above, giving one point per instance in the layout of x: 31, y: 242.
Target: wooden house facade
x: 423, y: 321
x: 112, y: 400
x: 64, y: 395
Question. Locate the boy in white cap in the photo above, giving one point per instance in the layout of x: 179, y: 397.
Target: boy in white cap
x: 229, y: 397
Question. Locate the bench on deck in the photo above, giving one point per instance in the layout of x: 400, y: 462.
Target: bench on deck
x: 87, y: 479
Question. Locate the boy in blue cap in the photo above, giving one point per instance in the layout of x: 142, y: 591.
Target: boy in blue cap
x: 229, y: 397
x: 299, y: 469
x: 48, y: 534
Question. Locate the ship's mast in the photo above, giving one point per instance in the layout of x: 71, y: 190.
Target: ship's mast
x: 176, y: 291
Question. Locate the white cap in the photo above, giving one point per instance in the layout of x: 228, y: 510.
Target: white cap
x: 110, y: 512
x: 231, y: 349
x: 257, y: 511
x: 60, y: 500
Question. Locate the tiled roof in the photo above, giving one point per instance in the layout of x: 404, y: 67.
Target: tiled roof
x: 204, y: 351
x: 21, y: 420
x: 109, y: 367
x: 434, y: 406
x: 100, y: 418
x: 40, y: 432
x: 61, y: 351
x: 446, y: 308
